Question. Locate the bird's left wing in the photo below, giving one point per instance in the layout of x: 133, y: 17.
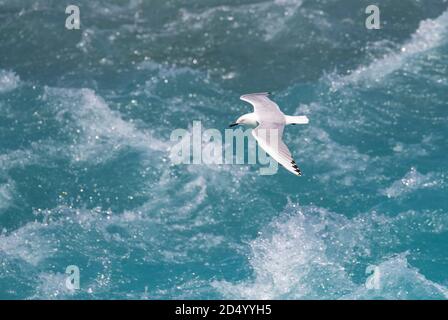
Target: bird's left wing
x: 269, y: 137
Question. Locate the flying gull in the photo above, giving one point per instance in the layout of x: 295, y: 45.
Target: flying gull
x: 269, y: 122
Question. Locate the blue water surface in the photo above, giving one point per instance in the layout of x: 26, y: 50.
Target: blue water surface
x: 86, y: 177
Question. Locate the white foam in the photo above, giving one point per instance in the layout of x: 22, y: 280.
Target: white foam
x: 430, y: 34
x: 276, y: 22
x: 304, y: 254
x: 51, y: 286
x: 394, y: 279
x: 317, y: 144
x: 8, y: 81
x: 290, y: 261
x: 412, y: 181
x: 308, y: 254
x: 6, y: 195
x: 197, y: 186
x: 99, y: 131
x: 145, y: 229
x: 16, y: 158
x: 276, y: 15
x: 38, y: 153
x: 22, y: 244
x: 410, y: 151
x: 163, y: 74
x: 85, y: 44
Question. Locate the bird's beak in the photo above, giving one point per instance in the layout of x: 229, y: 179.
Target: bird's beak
x: 233, y: 124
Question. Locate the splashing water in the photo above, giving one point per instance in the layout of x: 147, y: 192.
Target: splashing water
x: 86, y: 179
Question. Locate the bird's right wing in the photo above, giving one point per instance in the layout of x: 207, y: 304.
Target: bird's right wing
x: 270, y: 139
x: 264, y: 107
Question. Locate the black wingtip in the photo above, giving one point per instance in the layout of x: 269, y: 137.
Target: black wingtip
x: 296, y: 168
x: 255, y: 94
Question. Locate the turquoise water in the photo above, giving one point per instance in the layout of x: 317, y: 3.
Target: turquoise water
x: 86, y: 178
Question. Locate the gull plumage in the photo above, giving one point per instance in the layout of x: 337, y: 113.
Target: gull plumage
x: 269, y: 122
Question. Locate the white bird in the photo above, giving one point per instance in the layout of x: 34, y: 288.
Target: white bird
x: 266, y: 117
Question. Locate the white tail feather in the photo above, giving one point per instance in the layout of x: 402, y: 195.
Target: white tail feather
x: 297, y: 120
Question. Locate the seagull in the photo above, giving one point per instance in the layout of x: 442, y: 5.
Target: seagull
x: 266, y: 117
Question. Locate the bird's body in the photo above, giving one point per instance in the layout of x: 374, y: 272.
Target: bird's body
x: 269, y: 122
x: 249, y: 119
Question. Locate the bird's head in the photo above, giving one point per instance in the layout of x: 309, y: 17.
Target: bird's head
x: 245, y: 119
